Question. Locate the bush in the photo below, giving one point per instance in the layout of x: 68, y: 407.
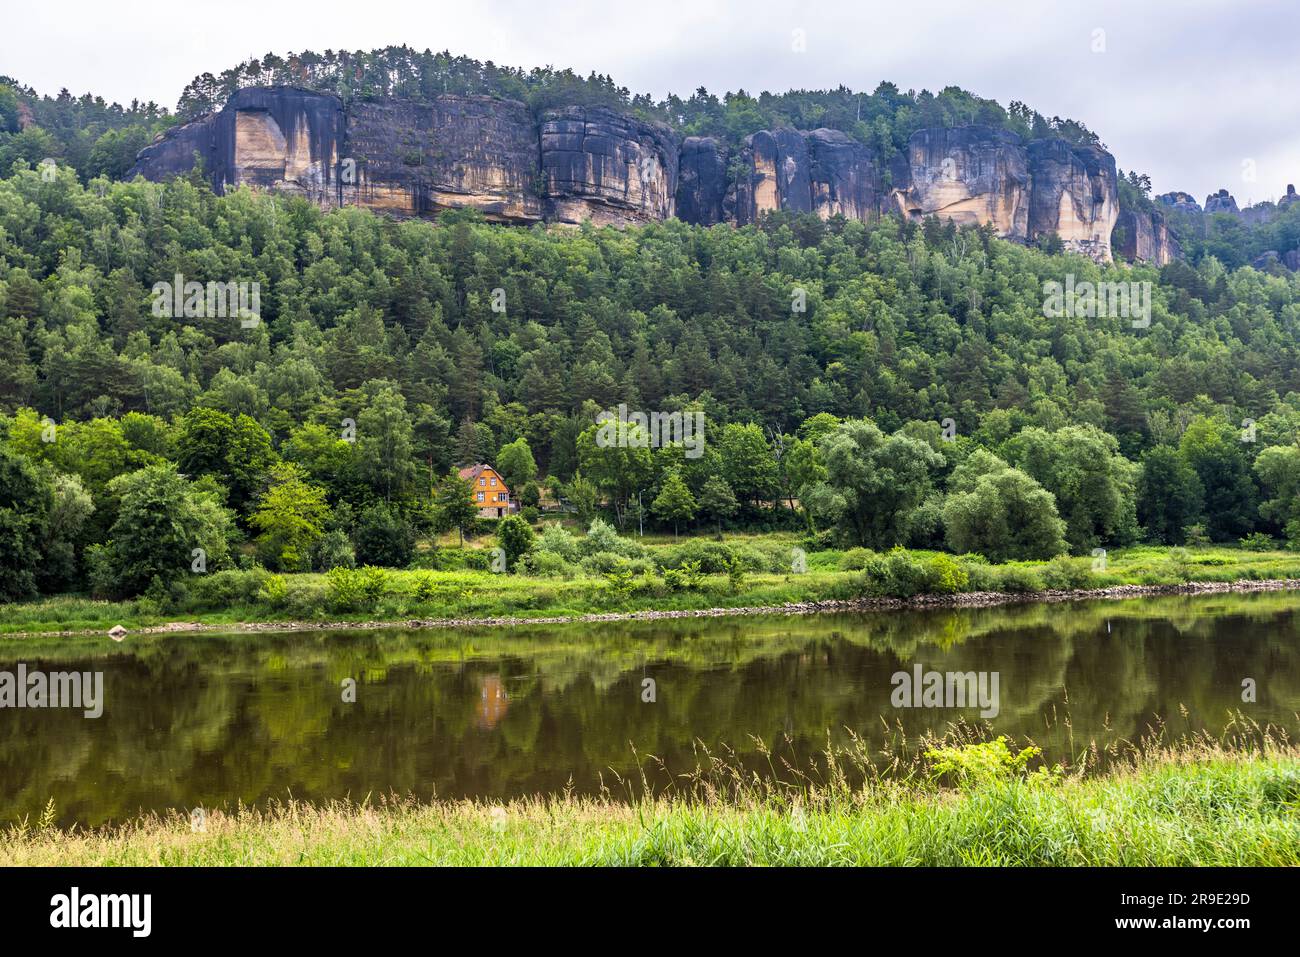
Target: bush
x: 944, y: 575
x: 220, y: 590
x: 558, y: 541
x: 984, y: 762
x: 1258, y: 542
x: 601, y: 537
x: 515, y: 537
x: 425, y: 590
x: 1018, y: 579
x: 895, y: 575
x: 531, y: 514
x: 685, y: 578
x: 547, y: 565
x: 857, y: 559
x: 1068, y: 574
x: 274, y: 591
x: 712, y: 558
x: 355, y: 589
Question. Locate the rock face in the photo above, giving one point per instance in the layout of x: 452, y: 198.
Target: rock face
x: 274, y: 137
x: 844, y: 176
x: 1145, y: 237
x: 456, y: 151
x: 701, y: 181
x: 1221, y: 202
x: 1184, y: 202
x: 1075, y: 195
x: 1289, y: 198
x: 611, y: 169
x: 970, y: 174
x: 416, y: 158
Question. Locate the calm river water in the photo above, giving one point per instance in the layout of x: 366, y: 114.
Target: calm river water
x: 208, y: 720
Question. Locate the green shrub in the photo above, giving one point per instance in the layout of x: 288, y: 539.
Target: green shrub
x: 274, y: 591
x: 334, y: 550
x: 894, y: 575
x: 1068, y: 574
x: 981, y: 763
x: 355, y: 589
x: 712, y: 558
x: 546, y: 564
x: 425, y: 590
x: 1019, y: 579
x: 685, y: 578
x: 217, y: 591
x: 857, y: 559
x: 944, y: 575
x: 1258, y: 542
x: 601, y: 537
x: 558, y: 541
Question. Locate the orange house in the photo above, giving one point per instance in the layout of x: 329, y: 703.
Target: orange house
x: 490, y: 491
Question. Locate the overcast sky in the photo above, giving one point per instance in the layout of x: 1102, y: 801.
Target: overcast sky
x: 1200, y: 94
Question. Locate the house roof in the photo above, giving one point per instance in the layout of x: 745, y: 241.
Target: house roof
x: 474, y: 471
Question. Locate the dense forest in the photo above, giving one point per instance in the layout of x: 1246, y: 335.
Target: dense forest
x: 888, y: 383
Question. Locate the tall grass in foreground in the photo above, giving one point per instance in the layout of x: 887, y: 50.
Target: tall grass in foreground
x: 963, y: 800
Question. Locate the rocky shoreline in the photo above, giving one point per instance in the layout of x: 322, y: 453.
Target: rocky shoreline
x: 959, y: 600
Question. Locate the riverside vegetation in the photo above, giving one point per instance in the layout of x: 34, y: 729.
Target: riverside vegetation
x: 565, y: 575
x: 965, y: 799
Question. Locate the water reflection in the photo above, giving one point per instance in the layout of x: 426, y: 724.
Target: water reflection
x: 207, y: 720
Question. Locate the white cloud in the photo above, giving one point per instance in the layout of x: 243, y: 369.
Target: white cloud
x: 1184, y: 90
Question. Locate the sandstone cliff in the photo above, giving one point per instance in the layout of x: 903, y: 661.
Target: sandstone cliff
x: 611, y: 169
x: 1145, y: 237
x: 594, y: 164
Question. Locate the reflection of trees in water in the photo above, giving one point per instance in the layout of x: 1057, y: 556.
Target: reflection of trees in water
x: 211, y: 719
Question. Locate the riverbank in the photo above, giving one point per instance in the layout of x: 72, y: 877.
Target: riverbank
x: 957, y: 600
x: 1201, y: 806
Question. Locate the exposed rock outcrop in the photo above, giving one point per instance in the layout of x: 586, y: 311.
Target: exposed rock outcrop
x: 453, y: 152
x: 602, y: 166
x: 415, y: 158
x: 1145, y: 237
x: 970, y: 174
x: 701, y: 181
x: 1221, y: 202
x: 274, y: 137
x: 844, y: 176
x: 1075, y: 195
x: 1183, y: 202
x: 1290, y: 197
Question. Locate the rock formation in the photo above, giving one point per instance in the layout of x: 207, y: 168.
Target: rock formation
x: 1183, y: 202
x: 611, y: 169
x: 1221, y: 202
x: 701, y: 181
x: 576, y: 164
x: 970, y: 174
x: 1075, y: 195
x: 1145, y: 237
x: 456, y: 151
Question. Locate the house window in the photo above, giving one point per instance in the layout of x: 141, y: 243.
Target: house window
x: 502, y: 497
x: 480, y: 496
x: 482, y: 483
x: 494, y: 483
